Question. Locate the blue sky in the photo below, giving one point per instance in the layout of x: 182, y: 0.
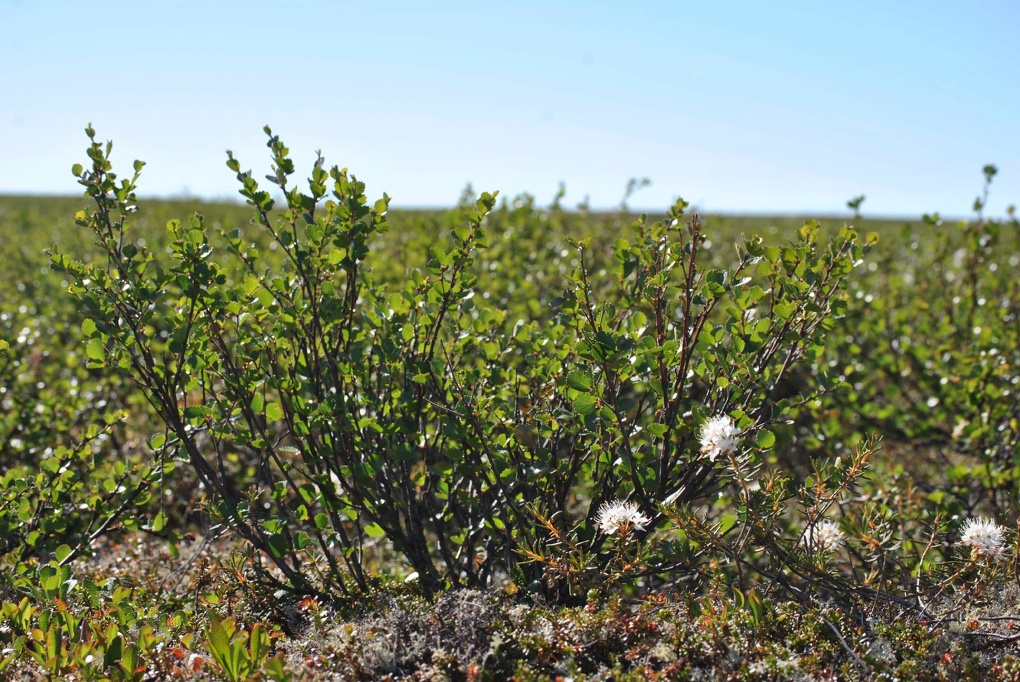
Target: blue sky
x: 736, y: 106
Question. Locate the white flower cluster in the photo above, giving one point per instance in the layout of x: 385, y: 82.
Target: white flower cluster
x: 620, y: 516
x: 719, y: 436
x: 985, y: 537
x: 826, y: 537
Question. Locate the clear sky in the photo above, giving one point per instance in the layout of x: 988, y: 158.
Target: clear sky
x: 736, y: 106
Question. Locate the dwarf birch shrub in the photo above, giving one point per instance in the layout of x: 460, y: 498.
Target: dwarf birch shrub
x: 324, y: 411
x: 335, y: 389
x: 676, y: 379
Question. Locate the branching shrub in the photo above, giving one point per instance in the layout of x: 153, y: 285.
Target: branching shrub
x: 323, y: 409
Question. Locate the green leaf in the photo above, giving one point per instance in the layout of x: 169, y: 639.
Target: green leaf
x: 196, y: 412
x: 579, y: 381
x: 301, y: 540
x: 94, y: 350
x: 219, y: 640
x: 766, y: 439
x: 657, y: 430
x: 50, y: 581
x: 784, y: 310
x: 274, y: 412
x: 259, y: 643
x: 584, y: 404
x: 715, y: 281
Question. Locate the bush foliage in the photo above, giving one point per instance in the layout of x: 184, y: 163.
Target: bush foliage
x: 559, y: 407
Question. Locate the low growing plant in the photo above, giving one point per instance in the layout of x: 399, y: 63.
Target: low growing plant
x: 322, y: 409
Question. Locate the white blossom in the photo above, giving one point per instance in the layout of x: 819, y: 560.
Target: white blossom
x: 719, y: 436
x: 985, y: 536
x: 826, y: 537
x: 620, y: 516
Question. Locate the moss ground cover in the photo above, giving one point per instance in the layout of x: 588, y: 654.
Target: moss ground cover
x: 308, y: 437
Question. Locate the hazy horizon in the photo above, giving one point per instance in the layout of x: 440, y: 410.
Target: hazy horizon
x: 742, y: 108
